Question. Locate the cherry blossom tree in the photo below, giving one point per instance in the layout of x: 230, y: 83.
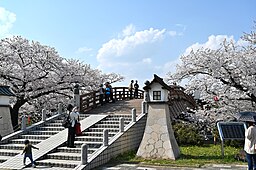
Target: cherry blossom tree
x: 226, y: 74
x: 38, y: 75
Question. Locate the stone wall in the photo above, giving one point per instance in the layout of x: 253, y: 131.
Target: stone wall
x: 124, y: 141
x: 5, y: 122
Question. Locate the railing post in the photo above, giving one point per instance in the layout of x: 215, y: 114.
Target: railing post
x: 43, y: 115
x: 59, y: 108
x: 134, y: 115
x: 23, y: 122
x: 84, y: 154
x: 123, y: 93
x: 121, y: 124
x: 105, y: 137
x: 144, y: 107
x: 76, y: 96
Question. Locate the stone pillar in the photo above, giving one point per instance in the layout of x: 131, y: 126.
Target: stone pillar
x: 144, y: 107
x: 105, y: 137
x: 59, y: 108
x: 134, y: 115
x: 84, y: 154
x: 23, y: 122
x: 158, y: 140
x: 121, y: 124
x: 76, y: 96
x: 43, y: 115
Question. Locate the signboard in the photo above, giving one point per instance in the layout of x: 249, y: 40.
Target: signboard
x: 231, y: 130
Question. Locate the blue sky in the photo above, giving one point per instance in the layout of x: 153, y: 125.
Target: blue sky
x: 136, y: 38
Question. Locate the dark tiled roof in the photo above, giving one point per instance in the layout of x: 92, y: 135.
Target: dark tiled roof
x: 159, y: 80
x: 4, y: 90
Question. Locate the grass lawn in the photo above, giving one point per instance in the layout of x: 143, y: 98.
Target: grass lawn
x: 191, y: 156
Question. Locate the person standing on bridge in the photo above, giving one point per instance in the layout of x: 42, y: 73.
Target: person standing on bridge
x: 101, y: 91
x: 249, y: 145
x: 130, y: 88
x: 136, y: 89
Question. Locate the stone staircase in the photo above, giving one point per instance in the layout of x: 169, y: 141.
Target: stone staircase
x: 63, y: 157
x: 38, y: 134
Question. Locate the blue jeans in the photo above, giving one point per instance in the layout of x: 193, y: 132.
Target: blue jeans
x: 251, y: 159
x: 29, y: 156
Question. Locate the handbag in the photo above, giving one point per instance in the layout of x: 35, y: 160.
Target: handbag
x: 78, y: 129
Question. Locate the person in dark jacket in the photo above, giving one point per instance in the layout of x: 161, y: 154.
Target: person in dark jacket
x: 130, y: 88
x: 136, y: 89
x: 28, y: 152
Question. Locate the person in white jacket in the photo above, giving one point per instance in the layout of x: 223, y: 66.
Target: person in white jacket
x: 73, y: 117
x: 249, y: 145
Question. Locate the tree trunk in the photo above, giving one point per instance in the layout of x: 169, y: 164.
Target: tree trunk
x: 15, y: 113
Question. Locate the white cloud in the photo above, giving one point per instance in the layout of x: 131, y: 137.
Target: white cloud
x: 212, y: 43
x: 172, y: 33
x: 83, y: 49
x: 147, y: 60
x: 129, y: 30
x: 132, y: 54
x: 116, y: 48
x: 7, y: 19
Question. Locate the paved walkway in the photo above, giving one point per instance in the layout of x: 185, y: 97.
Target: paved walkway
x: 151, y: 167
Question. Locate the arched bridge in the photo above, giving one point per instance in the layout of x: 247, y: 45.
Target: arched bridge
x: 107, y: 131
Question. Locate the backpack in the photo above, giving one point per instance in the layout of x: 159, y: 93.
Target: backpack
x: 108, y: 90
x: 66, y: 122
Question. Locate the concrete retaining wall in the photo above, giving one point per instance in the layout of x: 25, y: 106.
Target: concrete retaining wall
x: 124, y: 141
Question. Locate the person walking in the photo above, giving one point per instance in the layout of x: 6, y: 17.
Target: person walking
x: 136, y: 89
x: 130, y: 88
x: 73, y: 118
x: 27, y: 151
x: 249, y: 145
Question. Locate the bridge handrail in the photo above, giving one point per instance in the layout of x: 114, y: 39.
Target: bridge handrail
x: 91, y: 100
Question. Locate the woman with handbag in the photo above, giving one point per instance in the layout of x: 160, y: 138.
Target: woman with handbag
x: 74, y: 117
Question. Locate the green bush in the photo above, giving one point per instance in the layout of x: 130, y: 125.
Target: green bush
x: 187, y: 134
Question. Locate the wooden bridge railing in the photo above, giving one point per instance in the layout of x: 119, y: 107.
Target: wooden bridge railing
x: 91, y: 100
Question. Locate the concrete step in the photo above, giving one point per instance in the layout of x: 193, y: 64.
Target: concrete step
x: 39, y: 137
x: 14, y: 146
x: 49, y: 128
x: 98, y: 134
x: 64, y: 156
x: 54, y: 124
x: 75, y: 150
x: 117, y: 119
x: 106, y: 126
x: 42, y: 132
x: 116, y: 130
x: 58, y: 163
x: 78, y: 144
x: 9, y: 152
x: 21, y: 141
x: 4, y: 158
x: 114, y: 122
x: 57, y: 121
x: 89, y: 138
